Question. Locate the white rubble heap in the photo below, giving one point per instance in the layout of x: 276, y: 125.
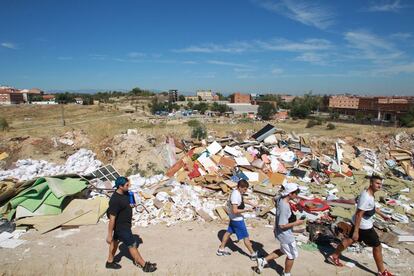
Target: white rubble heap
x: 81, y: 162
x: 184, y: 200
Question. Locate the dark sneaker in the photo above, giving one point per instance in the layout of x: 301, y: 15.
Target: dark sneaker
x: 112, y: 265
x: 149, y: 267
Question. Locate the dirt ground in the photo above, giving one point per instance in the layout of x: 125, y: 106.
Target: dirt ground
x: 183, y: 249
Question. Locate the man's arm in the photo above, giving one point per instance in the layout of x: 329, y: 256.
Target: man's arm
x: 236, y: 210
x: 111, y: 226
x: 250, y: 203
x: 290, y: 225
x: 358, y: 217
x: 378, y: 211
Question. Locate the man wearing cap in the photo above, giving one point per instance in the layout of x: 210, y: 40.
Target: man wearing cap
x: 363, y: 227
x: 283, y: 230
x: 119, y: 228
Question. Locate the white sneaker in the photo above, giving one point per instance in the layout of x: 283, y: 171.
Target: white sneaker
x: 261, y: 262
x: 253, y: 257
x: 222, y: 252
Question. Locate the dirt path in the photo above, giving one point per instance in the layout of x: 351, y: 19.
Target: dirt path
x: 185, y: 249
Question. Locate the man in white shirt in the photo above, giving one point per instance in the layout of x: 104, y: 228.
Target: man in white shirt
x: 283, y: 230
x: 363, y: 227
x: 236, y: 207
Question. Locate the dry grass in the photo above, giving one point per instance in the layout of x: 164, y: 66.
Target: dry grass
x: 102, y: 122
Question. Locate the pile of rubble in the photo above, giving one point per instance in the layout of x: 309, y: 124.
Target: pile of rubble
x: 201, y: 174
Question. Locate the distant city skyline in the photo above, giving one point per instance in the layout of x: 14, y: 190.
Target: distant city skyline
x: 248, y: 46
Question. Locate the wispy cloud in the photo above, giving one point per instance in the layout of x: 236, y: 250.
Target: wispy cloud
x: 98, y: 56
x: 395, y: 69
x: 277, y: 44
x: 277, y: 71
x: 235, y: 47
x: 225, y: 63
x: 313, y: 58
x: 401, y: 36
x: 9, y: 45
x: 372, y: 47
x: 291, y: 46
x: 190, y: 62
x: 65, y: 58
x: 385, y: 6
x: 306, y: 12
x: 135, y: 54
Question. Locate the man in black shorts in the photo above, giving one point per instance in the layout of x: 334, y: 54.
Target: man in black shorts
x: 363, y: 227
x: 119, y: 229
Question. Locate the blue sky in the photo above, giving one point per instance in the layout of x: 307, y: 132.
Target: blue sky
x: 280, y: 46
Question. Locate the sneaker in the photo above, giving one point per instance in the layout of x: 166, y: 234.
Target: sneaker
x: 148, y: 267
x: 222, y: 252
x: 385, y: 273
x: 261, y: 262
x: 112, y: 265
x: 253, y: 257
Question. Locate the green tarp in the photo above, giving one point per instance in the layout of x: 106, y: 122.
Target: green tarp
x: 45, y: 196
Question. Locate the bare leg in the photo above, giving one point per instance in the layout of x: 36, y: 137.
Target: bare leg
x: 136, y: 256
x: 377, y: 252
x: 248, y: 245
x: 225, y: 239
x: 112, y: 250
x: 288, y: 265
x: 344, y: 245
x: 274, y: 255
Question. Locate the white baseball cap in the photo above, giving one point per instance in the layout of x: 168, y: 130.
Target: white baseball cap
x: 289, y: 188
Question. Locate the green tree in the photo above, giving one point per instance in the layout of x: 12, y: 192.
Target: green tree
x: 266, y: 110
x: 407, y: 120
x: 221, y: 97
x: 181, y: 98
x: 222, y: 108
x: 201, y: 107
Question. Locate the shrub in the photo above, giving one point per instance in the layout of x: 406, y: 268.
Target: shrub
x: 193, y: 123
x: 330, y: 126
x: 312, y: 123
x: 199, y: 132
x: 4, y: 125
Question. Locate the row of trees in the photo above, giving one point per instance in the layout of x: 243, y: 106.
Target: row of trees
x: 202, y: 107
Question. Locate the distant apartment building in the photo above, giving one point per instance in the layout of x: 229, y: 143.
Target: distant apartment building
x: 207, y: 95
x: 10, y: 95
x: 381, y: 108
x: 191, y: 98
x: 173, y: 95
x: 287, y: 98
x: 240, y: 98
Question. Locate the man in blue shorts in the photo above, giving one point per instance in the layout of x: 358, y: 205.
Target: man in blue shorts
x: 119, y: 228
x: 236, y: 206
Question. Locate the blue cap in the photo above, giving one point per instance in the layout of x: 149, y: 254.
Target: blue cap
x: 120, y: 181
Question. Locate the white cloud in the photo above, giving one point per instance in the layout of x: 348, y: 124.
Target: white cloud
x: 136, y: 54
x: 98, y: 56
x: 225, y: 63
x: 313, y: 44
x: 65, y: 58
x: 370, y: 46
x: 313, y: 58
x: 278, y: 44
x: 190, y: 62
x: 395, y: 69
x: 401, y: 36
x: 9, y: 45
x: 385, y: 6
x: 305, y: 12
x: 277, y: 71
x: 235, y: 47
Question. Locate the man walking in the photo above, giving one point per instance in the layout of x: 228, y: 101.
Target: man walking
x: 236, y: 206
x: 363, y: 227
x: 283, y: 230
x: 119, y: 228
